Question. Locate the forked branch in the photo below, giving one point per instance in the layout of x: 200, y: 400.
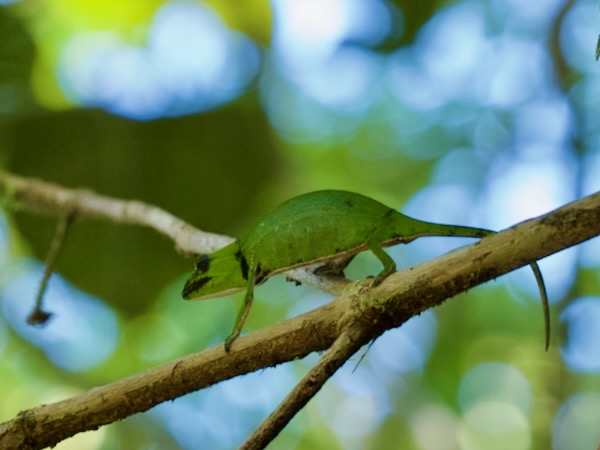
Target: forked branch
x: 372, y: 311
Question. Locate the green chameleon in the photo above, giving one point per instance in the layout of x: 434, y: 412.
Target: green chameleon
x: 329, y: 227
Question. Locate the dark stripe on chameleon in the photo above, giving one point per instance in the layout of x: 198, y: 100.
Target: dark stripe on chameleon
x: 194, y: 286
x: 243, y: 264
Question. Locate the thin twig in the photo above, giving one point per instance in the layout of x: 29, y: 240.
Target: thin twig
x: 38, y: 316
x: 341, y: 350
x: 49, y: 198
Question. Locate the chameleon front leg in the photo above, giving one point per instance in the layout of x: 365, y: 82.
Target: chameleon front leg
x: 389, y: 266
x: 243, y: 313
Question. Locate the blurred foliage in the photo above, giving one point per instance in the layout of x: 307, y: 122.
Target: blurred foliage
x: 184, y: 165
x: 441, y: 145
x: 252, y: 17
x: 17, y: 53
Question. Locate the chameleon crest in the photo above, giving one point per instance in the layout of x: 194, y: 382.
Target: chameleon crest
x: 328, y: 227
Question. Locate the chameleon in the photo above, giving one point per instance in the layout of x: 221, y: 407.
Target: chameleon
x: 328, y: 227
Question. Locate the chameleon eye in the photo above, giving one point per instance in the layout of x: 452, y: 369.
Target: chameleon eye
x: 202, y: 264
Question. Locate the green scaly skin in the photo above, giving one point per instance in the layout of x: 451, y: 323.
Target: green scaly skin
x: 319, y: 227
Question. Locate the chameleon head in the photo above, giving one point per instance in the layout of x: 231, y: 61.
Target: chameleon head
x: 216, y: 275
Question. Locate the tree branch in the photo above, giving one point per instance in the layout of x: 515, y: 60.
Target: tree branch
x: 358, y: 307
x: 403, y: 295
x: 48, y: 198
x: 342, y: 349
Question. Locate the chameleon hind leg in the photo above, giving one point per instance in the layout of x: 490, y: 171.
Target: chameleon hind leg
x: 334, y: 268
x: 389, y: 266
x: 242, y: 313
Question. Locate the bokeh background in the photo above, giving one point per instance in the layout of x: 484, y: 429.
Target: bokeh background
x: 472, y: 112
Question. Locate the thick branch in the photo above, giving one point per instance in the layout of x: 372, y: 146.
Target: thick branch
x: 399, y: 297
x: 373, y: 312
x: 47, y: 425
x: 487, y: 259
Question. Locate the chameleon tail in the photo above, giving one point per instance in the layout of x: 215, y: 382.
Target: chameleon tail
x: 481, y: 232
x: 433, y: 229
x: 542, y: 288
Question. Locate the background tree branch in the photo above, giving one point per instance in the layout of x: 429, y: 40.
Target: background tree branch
x: 374, y: 310
x: 48, y: 198
x: 43, y: 197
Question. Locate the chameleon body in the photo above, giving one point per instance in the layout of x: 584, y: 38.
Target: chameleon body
x: 328, y: 227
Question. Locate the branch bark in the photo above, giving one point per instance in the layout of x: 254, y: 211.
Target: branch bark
x: 48, y: 198
x: 367, y: 310
x: 342, y: 349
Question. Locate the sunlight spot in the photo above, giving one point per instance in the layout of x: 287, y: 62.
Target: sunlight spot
x: 495, y: 381
x: 494, y: 425
x: 582, y: 349
x: 406, y: 348
x: 191, y: 63
x: 79, y: 322
x: 307, y: 32
x: 575, y: 426
x: 435, y: 428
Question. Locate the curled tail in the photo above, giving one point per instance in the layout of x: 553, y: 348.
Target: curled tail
x: 481, y: 232
x: 432, y: 229
x: 544, y: 296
